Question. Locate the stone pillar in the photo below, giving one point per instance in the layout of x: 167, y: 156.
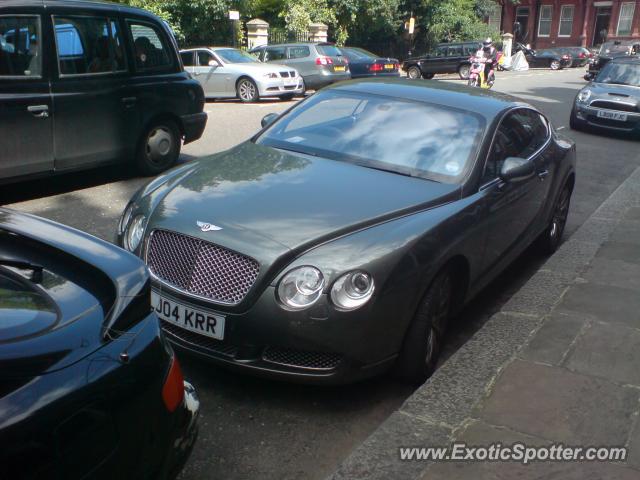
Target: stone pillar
x: 507, y: 44
x: 318, y: 32
x: 257, y: 33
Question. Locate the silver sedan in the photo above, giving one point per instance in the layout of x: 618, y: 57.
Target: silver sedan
x: 227, y: 72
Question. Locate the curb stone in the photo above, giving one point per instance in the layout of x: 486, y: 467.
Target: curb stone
x: 442, y: 406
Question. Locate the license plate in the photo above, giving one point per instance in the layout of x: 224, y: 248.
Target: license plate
x: 339, y: 68
x: 290, y: 81
x: 389, y: 66
x: 621, y: 117
x: 190, y: 318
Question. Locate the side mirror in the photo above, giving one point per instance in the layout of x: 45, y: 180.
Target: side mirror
x: 213, y: 63
x: 515, y: 168
x: 268, y: 119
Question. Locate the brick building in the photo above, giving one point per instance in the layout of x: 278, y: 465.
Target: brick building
x: 549, y: 23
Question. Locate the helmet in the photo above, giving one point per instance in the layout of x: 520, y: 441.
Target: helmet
x: 488, y: 42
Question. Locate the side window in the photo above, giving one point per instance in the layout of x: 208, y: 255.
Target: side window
x: 150, y: 47
x: 204, y: 58
x: 275, y: 53
x: 520, y: 134
x: 88, y: 45
x: 20, y: 47
x: 469, y: 50
x: 441, y: 52
x: 299, y: 52
x: 187, y: 59
x: 455, y: 51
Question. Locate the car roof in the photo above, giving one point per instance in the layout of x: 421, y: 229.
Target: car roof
x: 77, y: 4
x: 485, y: 103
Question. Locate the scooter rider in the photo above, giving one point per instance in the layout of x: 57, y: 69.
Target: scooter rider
x: 491, y: 56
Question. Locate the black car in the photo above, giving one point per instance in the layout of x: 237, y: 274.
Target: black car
x: 91, y: 83
x: 610, y: 50
x: 548, y: 58
x: 445, y: 58
x: 580, y: 56
x: 363, y: 63
x: 337, y: 242
x: 89, y: 387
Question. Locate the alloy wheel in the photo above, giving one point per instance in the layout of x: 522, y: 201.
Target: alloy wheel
x: 246, y: 90
x: 555, y: 65
x: 414, y: 73
x: 439, y: 318
x: 560, y: 214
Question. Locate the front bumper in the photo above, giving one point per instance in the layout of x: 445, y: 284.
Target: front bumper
x: 319, y: 345
x: 588, y: 115
x: 277, y: 87
x: 193, y: 126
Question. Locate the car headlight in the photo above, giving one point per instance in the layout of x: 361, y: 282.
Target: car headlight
x: 124, y: 219
x: 352, y: 290
x: 135, y: 232
x: 271, y: 75
x: 301, y: 287
x: 584, y: 95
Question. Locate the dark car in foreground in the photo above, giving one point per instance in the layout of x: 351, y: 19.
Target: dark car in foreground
x: 339, y: 240
x: 89, y: 386
x: 363, y: 63
x: 612, y: 101
x: 86, y: 84
x: 445, y: 58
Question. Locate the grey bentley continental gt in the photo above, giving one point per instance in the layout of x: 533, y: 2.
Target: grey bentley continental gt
x: 338, y: 241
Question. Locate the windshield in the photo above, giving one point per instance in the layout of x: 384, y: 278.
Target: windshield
x: 612, y: 47
x: 401, y: 136
x: 620, y: 74
x: 328, y: 50
x: 231, y: 55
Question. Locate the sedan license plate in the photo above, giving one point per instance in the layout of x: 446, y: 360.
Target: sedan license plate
x: 184, y: 316
x: 339, y: 68
x: 389, y: 66
x: 621, y: 117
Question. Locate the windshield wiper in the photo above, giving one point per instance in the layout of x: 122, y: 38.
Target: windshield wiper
x: 36, y: 270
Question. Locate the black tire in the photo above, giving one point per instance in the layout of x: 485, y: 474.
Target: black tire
x: 428, y: 76
x: 159, y: 147
x: 464, y: 71
x: 549, y: 241
x: 424, y: 337
x: 286, y: 97
x: 246, y: 90
x: 414, y: 72
x: 555, y: 65
x: 473, y: 82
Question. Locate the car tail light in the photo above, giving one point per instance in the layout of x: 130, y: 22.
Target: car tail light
x: 173, y: 388
x: 581, y: 55
x: 566, y: 57
x: 396, y: 66
x: 324, y: 61
x: 376, y: 67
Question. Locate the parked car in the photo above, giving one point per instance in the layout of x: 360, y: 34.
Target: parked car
x: 612, y: 101
x: 610, y: 50
x: 545, y: 58
x: 580, y: 56
x: 90, y: 386
x: 320, y: 64
x: 445, y: 58
x: 227, y: 72
x: 88, y: 84
x: 363, y: 63
x: 374, y: 210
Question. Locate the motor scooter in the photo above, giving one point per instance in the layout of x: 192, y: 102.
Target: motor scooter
x: 476, y: 73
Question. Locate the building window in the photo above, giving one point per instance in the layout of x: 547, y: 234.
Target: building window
x: 544, y: 23
x: 566, y: 21
x: 495, y: 18
x: 626, y: 18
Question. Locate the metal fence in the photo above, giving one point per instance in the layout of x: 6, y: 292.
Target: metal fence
x: 282, y: 35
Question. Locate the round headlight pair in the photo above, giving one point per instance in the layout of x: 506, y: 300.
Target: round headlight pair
x: 302, y: 287
x: 134, y: 232
x: 584, y: 95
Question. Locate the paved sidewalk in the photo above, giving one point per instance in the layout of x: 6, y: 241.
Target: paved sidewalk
x: 559, y: 364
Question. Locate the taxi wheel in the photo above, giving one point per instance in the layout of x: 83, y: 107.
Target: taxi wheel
x: 159, y: 147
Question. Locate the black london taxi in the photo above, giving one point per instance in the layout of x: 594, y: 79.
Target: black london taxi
x: 85, y: 83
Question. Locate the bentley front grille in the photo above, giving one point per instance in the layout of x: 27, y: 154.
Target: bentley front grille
x: 201, y: 268
x: 301, y: 359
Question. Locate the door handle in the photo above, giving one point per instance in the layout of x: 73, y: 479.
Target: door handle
x: 39, y: 111
x: 543, y: 174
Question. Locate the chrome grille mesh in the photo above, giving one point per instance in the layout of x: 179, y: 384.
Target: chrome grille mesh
x: 201, y: 268
x: 620, y: 107
x: 300, y: 358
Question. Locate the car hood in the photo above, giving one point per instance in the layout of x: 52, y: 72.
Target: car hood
x: 257, y: 67
x: 268, y: 202
x: 612, y: 92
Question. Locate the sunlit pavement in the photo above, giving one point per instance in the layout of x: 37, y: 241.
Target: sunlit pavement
x: 260, y: 429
